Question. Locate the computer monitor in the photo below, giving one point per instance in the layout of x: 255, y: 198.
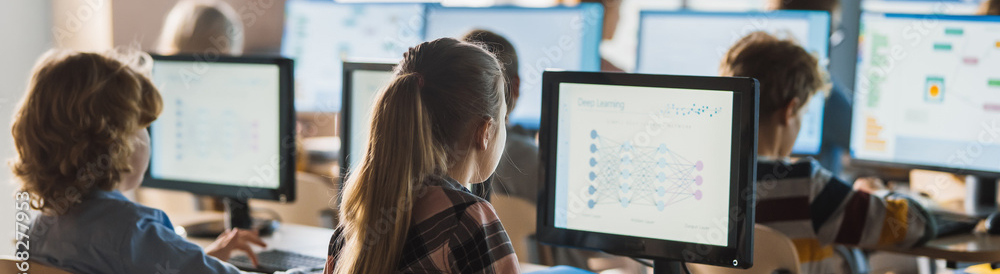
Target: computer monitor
x: 954, y: 7
x: 362, y: 84
x: 556, y: 37
x: 694, y: 43
x: 227, y: 129
x: 927, y: 94
x: 320, y: 34
x: 651, y: 166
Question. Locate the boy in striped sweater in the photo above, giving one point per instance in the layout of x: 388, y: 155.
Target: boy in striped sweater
x: 802, y: 199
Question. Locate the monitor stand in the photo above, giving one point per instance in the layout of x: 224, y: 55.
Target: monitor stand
x: 237, y: 215
x: 668, y: 267
x: 981, y: 195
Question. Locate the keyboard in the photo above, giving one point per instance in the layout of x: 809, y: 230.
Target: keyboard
x: 276, y: 260
x: 950, y: 224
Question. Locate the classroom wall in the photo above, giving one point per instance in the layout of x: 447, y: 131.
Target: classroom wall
x: 26, y: 34
x: 140, y: 21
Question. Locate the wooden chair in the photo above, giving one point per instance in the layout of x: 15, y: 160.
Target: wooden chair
x: 518, y: 218
x: 773, y: 253
x: 8, y: 265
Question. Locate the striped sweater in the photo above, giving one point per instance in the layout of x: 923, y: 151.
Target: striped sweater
x: 817, y: 210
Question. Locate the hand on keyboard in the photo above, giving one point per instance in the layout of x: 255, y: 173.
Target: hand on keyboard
x: 235, y: 239
x: 278, y: 260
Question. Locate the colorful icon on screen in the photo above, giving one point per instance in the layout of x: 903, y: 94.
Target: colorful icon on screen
x: 934, y: 89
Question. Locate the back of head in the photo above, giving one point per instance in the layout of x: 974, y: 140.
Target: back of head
x: 989, y: 7
x: 74, y: 128
x: 785, y: 70
x: 830, y: 6
x: 504, y: 52
x: 202, y: 27
x: 441, y: 90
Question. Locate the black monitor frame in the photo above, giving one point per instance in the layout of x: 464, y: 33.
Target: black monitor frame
x: 287, y: 142
x: 739, y: 253
x: 346, y: 108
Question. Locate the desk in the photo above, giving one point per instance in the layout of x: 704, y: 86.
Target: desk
x: 976, y: 247
x: 307, y: 240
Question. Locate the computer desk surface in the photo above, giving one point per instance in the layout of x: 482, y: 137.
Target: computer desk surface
x: 974, y: 247
x: 305, y: 240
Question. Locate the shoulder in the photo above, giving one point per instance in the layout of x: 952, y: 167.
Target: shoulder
x: 438, y: 203
x: 783, y: 169
x: 520, y: 144
x: 781, y: 178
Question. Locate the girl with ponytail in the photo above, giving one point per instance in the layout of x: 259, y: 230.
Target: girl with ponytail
x: 437, y: 128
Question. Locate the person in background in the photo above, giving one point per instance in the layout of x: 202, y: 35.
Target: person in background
x: 437, y: 128
x: 837, y: 111
x: 81, y: 139
x: 517, y: 173
x: 200, y: 27
x: 989, y: 7
x: 802, y: 199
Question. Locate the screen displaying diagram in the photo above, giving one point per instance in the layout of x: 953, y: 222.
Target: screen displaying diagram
x: 218, y: 125
x: 319, y: 35
x: 928, y: 91
x: 645, y: 162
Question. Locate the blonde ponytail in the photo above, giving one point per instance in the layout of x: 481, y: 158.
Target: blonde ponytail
x: 439, y: 89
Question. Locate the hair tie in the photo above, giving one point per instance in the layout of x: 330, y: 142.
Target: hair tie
x: 420, y: 79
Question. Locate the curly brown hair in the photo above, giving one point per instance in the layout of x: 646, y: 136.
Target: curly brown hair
x: 74, y: 128
x: 785, y: 70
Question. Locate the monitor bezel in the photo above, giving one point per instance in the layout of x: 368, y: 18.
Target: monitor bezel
x: 742, y: 188
x: 854, y: 108
x: 346, y: 108
x: 285, y: 191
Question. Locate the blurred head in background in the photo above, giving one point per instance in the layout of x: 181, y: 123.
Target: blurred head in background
x: 831, y: 6
x: 989, y: 7
x: 506, y: 54
x: 202, y: 26
x: 789, y: 76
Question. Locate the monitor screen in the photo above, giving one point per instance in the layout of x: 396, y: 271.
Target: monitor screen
x: 928, y: 92
x: 320, y: 34
x: 641, y: 182
x: 707, y: 36
x: 956, y: 7
x: 649, y: 166
x: 560, y: 37
x: 363, y: 82
x: 219, y: 126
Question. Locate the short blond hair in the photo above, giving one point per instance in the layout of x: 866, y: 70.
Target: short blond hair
x: 785, y: 70
x: 200, y: 26
x: 73, y: 129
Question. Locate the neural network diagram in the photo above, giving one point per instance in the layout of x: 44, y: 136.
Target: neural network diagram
x: 625, y: 174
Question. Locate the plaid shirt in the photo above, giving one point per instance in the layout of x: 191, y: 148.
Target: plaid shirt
x: 453, y: 231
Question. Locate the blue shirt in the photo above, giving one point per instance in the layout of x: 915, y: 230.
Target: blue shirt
x: 107, y: 233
